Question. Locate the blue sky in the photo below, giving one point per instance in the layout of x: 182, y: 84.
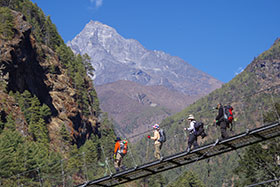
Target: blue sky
x: 219, y: 37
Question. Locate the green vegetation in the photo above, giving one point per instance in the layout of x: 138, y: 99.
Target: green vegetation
x: 29, y: 160
x: 19, y: 154
x: 254, y: 105
x: 188, y: 179
x: 272, y: 53
x: 259, y: 162
x: 6, y: 23
x: 45, y: 32
x: 42, y: 27
x: 78, y: 67
x: 28, y: 155
x: 35, y: 115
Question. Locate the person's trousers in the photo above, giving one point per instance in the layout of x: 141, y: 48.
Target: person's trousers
x: 157, y: 151
x: 192, y: 141
x: 223, y: 126
x: 118, y: 161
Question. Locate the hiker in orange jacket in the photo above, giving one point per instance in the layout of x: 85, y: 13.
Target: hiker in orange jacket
x: 118, y: 154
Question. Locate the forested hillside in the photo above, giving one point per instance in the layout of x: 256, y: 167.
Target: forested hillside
x: 51, y: 126
x: 254, y: 95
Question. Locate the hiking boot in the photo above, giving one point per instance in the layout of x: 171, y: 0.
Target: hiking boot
x: 117, y: 169
x: 123, y: 168
x: 188, y: 150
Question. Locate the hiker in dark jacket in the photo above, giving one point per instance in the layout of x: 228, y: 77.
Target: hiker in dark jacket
x: 220, y: 121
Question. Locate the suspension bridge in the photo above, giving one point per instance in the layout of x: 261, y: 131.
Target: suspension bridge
x: 97, y: 170
x: 218, y: 147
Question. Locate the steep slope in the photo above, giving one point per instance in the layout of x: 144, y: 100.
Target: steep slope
x: 134, y: 107
x: 253, y: 93
x: 110, y: 52
x: 23, y: 68
x: 49, y: 111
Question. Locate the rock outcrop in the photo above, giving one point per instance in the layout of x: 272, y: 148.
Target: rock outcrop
x: 26, y: 64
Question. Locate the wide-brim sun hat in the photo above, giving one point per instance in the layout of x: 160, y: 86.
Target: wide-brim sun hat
x: 190, y: 117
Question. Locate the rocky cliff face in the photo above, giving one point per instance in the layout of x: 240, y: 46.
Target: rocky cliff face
x: 28, y: 65
x: 267, y: 66
x: 116, y: 58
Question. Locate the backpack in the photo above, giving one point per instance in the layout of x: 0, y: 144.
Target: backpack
x: 162, y: 137
x: 228, y: 116
x: 198, y: 128
x: 198, y: 125
x: 123, y: 147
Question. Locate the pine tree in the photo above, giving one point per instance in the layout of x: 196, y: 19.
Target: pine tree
x: 75, y: 163
x: 10, y: 123
x: 6, y: 23
x: 65, y: 138
x: 37, y: 126
x: 64, y: 134
x: 10, y: 163
x: 1, y: 126
x: 51, y: 171
x: 45, y: 112
x: 24, y: 101
x: 87, y: 64
x: 67, y: 57
x: 52, y: 38
x: 94, y: 102
x: 188, y: 179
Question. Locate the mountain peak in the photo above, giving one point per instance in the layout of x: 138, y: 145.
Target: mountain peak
x: 109, y: 51
x: 94, y: 25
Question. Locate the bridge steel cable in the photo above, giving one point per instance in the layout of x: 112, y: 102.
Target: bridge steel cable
x: 264, y: 182
x: 148, y: 170
x: 238, y: 141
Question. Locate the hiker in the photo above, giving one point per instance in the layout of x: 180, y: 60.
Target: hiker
x: 119, y: 152
x: 220, y: 121
x: 192, y: 137
x: 156, y: 138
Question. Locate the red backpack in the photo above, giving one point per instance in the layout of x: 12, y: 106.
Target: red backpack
x: 228, y: 116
